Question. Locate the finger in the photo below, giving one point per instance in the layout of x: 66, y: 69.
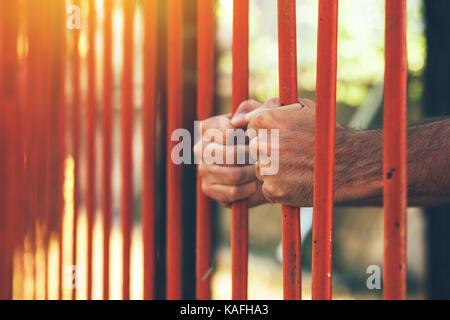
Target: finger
x: 250, y: 116
x: 271, y: 103
x: 230, y: 176
x: 217, y: 154
x: 238, y: 119
x: 253, y: 149
x: 230, y: 194
x: 258, y: 174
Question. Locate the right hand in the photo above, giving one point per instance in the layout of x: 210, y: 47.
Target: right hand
x: 227, y: 184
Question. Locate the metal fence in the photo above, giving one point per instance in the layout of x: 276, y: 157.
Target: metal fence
x: 43, y: 113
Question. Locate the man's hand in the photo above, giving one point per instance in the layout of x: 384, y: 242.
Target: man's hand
x: 293, y: 183
x: 228, y: 183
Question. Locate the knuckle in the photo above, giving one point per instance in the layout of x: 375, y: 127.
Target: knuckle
x: 233, y: 194
x: 272, y: 192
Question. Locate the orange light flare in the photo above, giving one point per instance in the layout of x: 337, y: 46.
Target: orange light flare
x: 9, y: 96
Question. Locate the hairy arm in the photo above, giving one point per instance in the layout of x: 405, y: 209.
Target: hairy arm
x: 359, y: 161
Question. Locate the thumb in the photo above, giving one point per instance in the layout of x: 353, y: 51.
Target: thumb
x: 238, y: 120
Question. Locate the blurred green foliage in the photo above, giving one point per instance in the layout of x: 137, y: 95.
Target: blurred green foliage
x: 360, y: 49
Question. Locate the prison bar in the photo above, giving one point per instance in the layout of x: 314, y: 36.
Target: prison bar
x: 50, y: 75
x: 175, y: 121
x: 240, y: 88
x: 205, y: 100
x: 324, y: 150
x: 127, y: 143
x: 149, y: 146
x: 8, y: 107
x: 291, y: 240
x: 91, y: 141
x: 60, y: 108
x: 33, y: 93
x: 107, y: 121
x: 76, y: 127
x: 32, y: 128
x: 395, y: 151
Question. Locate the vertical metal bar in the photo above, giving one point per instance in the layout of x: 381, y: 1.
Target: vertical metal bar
x: 149, y: 117
x: 61, y: 109
x: 47, y: 46
x: 107, y: 120
x: 395, y: 151
x: 9, y: 108
x: 127, y: 142
x: 324, y: 150
x: 175, y: 110
x: 3, y: 150
x: 91, y: 141
x: 205, y: 100
x: 32, y: 89
x: 76, y: 126
x: 240, y: 87
x: 287, y: 40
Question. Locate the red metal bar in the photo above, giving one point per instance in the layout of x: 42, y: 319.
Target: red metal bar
x: 175, y: 109
x: 49, y: 72
x: 239, y: 215
x: 324, y: 150
x: 205, y: 100
x: 287, y: 34
x: 91, y: 141
x: 149, y: 145
x: 107, y: 120
x: 9, y: 107
x: 127, y: 142
x: 61, y: 128
x: 33, y: 89
x: 76, y: 124
x: 395, y: 151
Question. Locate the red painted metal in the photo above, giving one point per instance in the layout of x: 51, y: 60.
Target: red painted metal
x: 149, y: 146
x: 287, y: 34
x: 8, y: 101
x: 91, y: 141
x: 61, y: 136
x: 127, y: 142
x: 239, y: 215
x: 205, y: 100
x: 76, y: 127
x: 107, y: 120
x: 324, y: 150
x: 33, y: 94
x: 395, y: 151
x: 175, y: 110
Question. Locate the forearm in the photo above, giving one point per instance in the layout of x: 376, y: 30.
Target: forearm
x: 359, y: 174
